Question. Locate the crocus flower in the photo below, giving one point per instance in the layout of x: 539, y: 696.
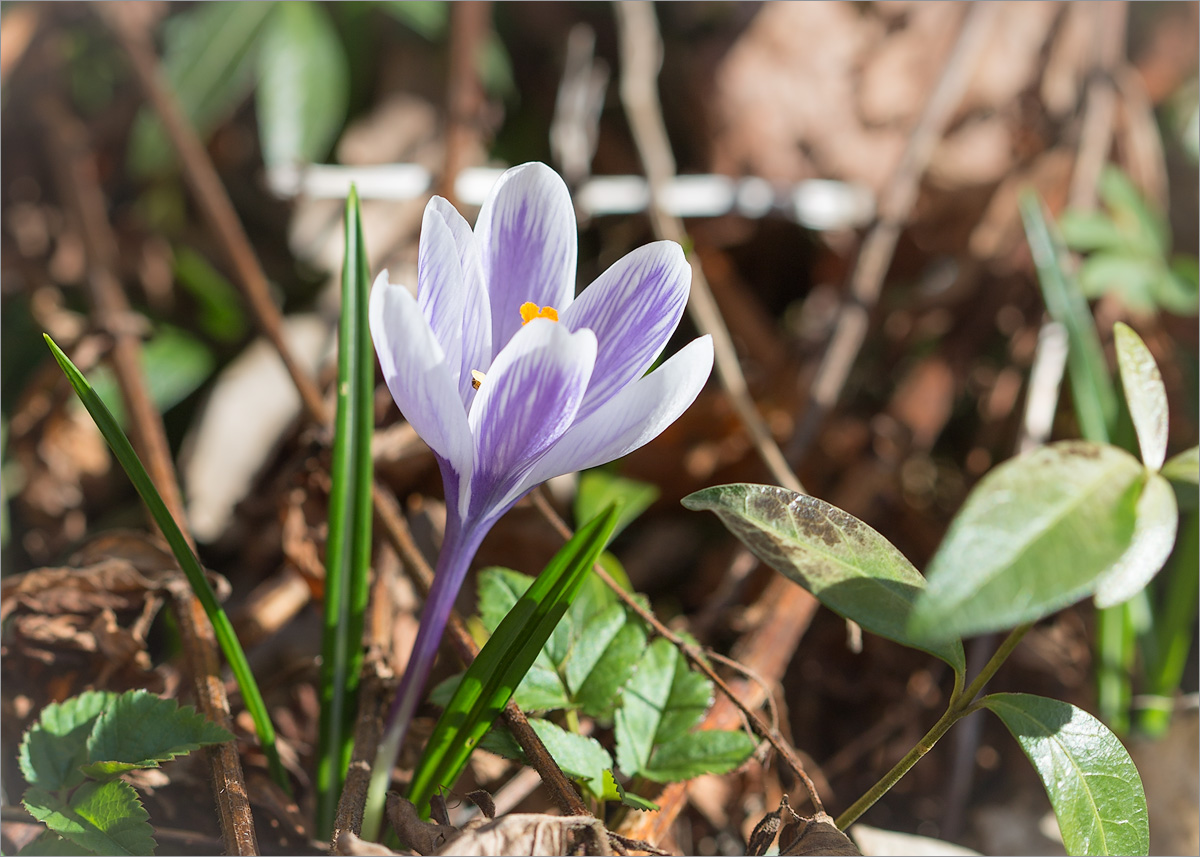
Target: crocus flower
x: 511, y: 379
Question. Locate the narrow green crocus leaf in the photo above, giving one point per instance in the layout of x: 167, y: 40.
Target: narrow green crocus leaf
x: 348, y: 547
x: 1144, y: 393
x: 1036, y: 534
x: 222, y: 627
x: 850, y: 568
x: 1092, y: 783
x: 492, y: 677
x: 1155, y: 525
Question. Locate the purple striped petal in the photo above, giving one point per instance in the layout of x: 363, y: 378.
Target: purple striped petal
x: 526, y: 233
x: 529, y: 398
x: 633, y: 308
x: 418, y: 375
x: 451, y: 293
x: 632, y: 418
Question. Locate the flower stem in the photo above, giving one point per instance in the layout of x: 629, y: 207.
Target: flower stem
x: 458, y: 548
x: 960, y: 706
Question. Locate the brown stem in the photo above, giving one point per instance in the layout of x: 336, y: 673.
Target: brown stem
x: 469, y: 23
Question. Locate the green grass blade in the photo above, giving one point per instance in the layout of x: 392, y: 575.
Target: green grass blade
x: 223, y: 629
x: 493, y: 676
x: 348, y: 548
x: 1092, y: 388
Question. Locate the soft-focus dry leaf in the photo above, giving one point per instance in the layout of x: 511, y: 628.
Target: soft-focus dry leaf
x: 535, y: 835
x: 816, y: 835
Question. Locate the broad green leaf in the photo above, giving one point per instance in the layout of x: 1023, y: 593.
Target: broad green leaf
x: 1153, y: 539
x: 50, y: 844
x: 140, y: 730
x: 1134, y: 279
x: 1144, y: 392
x: 303, y: 84
x: 1093, y: 785
x: 54, y: 747
x: 662, y: 700
x: 1036, y: 534
x: 106, y: 818
x: 505, y: 659
x: 696, y: 753
x: 598, y: 488
x: 613, y: 790
x: 1146, y: 230
x: 1184, y: 467
x: 581, y: 757
x: 208, y: 60
x: 603, y: 659
x: 1086, y: 231
x: 174, y: 363
x: 219, y: 303
x: 849, y: 567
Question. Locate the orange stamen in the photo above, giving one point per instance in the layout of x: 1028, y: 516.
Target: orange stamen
x: 530, y: 311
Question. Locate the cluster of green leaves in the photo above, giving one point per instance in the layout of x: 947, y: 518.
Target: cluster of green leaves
x: 75, y: 754
x: 1128, y: 247
x: 1064, y: 522
x: 599, y: 663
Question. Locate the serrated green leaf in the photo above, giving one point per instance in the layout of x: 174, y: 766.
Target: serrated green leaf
x: 581, y: 757
x: 849, y: 567
x: 303, y: 84
x: 1035, y: 535
x: 1153, y: 539
x: 106, y: 818
x: 50, y: 844
x: 602, y: 662
x: 613, y: 790
x: 1092, y: 783
x: 54, y: 747
x: 1144, y: 393
x: 140, y: 730
x: 712, y: 751
x: 208, y: 61
x: 660, y: 702
x: 1184, y: 467
x: 598, y: 488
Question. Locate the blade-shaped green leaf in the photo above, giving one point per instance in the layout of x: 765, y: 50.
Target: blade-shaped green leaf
x: 54, y: 747
x: 1093, y: 785
x: 351, y: 512
x: 493, y: 676
x: 106, y: 818
x: 661, y: 702
x: 1145, y: 394
x: 715, y: 751
x: 1036, y: 534
x: 222, y: 627
x: 603, y: 659
x: 1153, y: 538
x: 140, y: 730
x: 208, y: 61
x: 849, y: 567
x: 303, y: 84
x: 1184, y: 467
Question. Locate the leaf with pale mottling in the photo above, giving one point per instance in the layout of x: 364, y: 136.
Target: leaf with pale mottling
x: 849, y: 567
x: 1144, y: 393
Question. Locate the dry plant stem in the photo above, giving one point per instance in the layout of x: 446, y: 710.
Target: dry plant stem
x: 367, y: 729
x: 397, y: 532
x: 1100, y: 108
x: 962, y: 703
x: 895, y: 205
x: 641, y: 57
x: 213, y: 201
x: 80, y: 188
x: 469, y: 23
x: 692, y: 653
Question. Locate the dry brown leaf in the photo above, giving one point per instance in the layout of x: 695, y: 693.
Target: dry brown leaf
x: 532, y: 834
x: 816, y: 835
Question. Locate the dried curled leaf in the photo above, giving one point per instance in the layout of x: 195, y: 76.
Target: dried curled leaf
x: 816, y: 835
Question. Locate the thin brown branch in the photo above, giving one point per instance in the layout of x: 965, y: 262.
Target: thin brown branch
x: 469, y: 24
x: 81, y: 192
x: 895, y: 206
x: 210, y: 195
x: 693, y: 653
x: 641, y: 57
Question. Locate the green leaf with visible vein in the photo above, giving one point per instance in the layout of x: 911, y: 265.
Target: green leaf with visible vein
x: 54, y: 748
x: 1144, y: 393
x: 1037, y: 533
x: 662, y: 701
x: 1092, y: 783
x: 714, y: 751
x: 50, y: 844
x: 140, y: 730
x: 106, y: 818
x: 849, y: 567
x: 602, y: 659
x: 581, y: 757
